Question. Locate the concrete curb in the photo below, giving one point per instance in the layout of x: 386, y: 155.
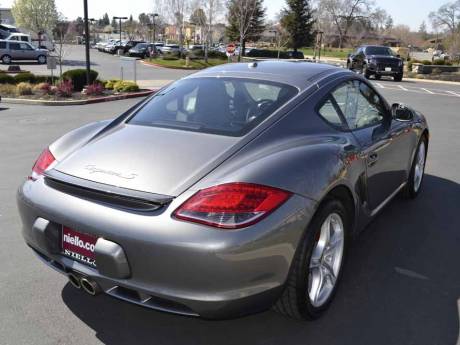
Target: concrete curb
x: 78, y: 102
x: 434, y: 81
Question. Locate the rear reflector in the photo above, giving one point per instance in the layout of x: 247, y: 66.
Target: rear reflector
x: 43, y: 162
x: 232, y: 205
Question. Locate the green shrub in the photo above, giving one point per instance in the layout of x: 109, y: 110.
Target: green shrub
x: 24, y: 89
x: 6, y: 79
x: 78, y: 77
x: 212, y: 54
x: 110, y: 83
x: 125, y: 86
x: 24, y: 78
x: 45, y: 79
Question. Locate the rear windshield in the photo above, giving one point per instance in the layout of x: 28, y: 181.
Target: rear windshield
x: 227, y: 106
x: 379, y: 51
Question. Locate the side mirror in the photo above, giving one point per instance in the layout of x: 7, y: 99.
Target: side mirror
x: 400, y: 112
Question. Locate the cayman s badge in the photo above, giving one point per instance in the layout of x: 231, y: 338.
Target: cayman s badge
x: 95, y: 170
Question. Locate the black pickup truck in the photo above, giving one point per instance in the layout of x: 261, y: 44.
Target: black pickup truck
x: 377, y: 61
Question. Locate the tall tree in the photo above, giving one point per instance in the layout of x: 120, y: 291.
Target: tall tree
x: 344, y: 13
x: 35, y: 15
x: 246, y: 21
x: 423, y: 31
x: 448, y: 17
x: 298, y: 21
x: 199, y: 20
x: 212, y: 8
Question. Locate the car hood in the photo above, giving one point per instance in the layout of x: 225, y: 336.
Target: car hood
x: 150, y: 159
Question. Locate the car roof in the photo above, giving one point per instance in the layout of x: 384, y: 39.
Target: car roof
x: 300, y: 74
x: 372, y: 46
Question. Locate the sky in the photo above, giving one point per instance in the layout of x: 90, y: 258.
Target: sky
x: 408, y: 12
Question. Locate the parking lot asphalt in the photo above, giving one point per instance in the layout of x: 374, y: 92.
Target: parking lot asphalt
x: 401, y: 283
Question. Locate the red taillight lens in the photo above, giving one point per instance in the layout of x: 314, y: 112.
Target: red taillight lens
x: 232, y: 205
x: 45, y: 159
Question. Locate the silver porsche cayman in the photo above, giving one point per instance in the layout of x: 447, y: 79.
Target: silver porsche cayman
x: 230, y: 191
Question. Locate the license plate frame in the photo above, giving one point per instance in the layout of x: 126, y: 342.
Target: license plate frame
x: 78, y: 246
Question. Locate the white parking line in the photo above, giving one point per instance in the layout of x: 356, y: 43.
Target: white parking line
x: 430, y: 92
x: 453, y: 93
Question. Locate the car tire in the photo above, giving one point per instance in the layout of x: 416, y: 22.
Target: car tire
x: 296, y: 300
x: 6, y: 59
x: 366, y: 72
x: 398, y: 77
x: 41, y: 59
x: 417, y: 171
x: 349, y: 65
x: 378, y: 77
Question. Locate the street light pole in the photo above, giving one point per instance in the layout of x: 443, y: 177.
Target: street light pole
x: 87, y: 38
x: 120, y: 19
x: 153, y: 15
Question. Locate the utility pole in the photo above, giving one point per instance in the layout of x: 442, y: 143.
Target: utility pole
x: 87, y: 38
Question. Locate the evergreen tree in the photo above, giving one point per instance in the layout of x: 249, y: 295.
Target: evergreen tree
x: 255, y: 14
x: 423, y: 31
x: 297, y: 20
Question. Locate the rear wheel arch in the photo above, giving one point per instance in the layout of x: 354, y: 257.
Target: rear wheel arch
x: 343, y: 194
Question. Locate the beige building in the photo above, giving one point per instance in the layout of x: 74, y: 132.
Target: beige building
x: 6, y: 17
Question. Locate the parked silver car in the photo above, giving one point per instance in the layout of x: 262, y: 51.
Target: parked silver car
x: 14, y: 50
x: 227, y: 192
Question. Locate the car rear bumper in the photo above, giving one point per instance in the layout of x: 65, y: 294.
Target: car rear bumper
x: 174, y: 266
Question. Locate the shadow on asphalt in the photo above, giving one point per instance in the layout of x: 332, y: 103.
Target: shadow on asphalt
x: 401, y: 285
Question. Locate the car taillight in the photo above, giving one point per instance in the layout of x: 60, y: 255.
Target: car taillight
x: 45, y: 159
x: 232, y: 205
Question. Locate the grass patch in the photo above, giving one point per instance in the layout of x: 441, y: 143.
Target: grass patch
x: 193, y: 64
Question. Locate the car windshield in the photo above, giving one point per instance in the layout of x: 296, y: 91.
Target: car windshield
x: 226, y: 106
x: 379, y: 51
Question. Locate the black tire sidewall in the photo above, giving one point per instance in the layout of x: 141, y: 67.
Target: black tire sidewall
x: 6, y: 63
x: 306, y: 309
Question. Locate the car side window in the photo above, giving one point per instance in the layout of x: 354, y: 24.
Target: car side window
x: 330, y: 113
x: 24, y: 46
x: 360, y: 105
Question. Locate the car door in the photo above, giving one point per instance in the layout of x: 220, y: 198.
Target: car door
x: 369, y: 120
x: 16, y: 51
x: 28, y: 51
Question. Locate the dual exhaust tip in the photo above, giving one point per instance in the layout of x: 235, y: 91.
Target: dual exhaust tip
x: 87, y: 284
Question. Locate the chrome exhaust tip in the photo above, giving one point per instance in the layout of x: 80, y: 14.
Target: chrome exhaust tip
x: 90, y: 286
x: 74, y: 280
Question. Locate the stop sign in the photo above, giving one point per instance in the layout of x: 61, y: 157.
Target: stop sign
x: 231, y: 49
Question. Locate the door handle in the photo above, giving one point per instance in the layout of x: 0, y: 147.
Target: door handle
x: 372, y: 159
